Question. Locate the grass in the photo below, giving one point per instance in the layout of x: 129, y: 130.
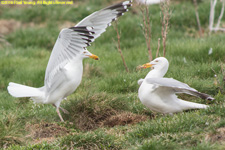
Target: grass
x: 105, y: 112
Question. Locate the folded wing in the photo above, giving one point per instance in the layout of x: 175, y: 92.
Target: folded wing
x: 177, y: 87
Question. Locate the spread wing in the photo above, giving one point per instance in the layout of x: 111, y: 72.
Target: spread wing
x: 177, y: 87
x: 101, y: 19
x: 71, y: 41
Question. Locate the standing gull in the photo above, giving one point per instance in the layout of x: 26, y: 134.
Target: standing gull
x: 159, y: 94
x: 65, y: 67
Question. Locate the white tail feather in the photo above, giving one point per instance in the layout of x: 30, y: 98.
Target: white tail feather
x: 18, y: 90
x: 190, y: 105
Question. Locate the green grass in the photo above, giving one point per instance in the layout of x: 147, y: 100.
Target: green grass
x: 107, y: 95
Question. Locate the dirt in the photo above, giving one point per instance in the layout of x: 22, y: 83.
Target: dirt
x: 123, y: 119
x: 87, y: 122
x: 96, y: 112
x: 219, y: 136
x: 66, y: 24
x: 50, y: 131
x: 45, y: 132
x: 8, y: 26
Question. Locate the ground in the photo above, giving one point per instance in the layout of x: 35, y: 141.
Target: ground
x: 105, y: 112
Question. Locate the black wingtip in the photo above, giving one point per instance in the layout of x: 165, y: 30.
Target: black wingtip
x: 82, y: 29
x: 210, y: 98
x: 205, y: 96
x: 121, y: 5
x: 88, y: 40
x: 121, y: 8
x: 88, y: 36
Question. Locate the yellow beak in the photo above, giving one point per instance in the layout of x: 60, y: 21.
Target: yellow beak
x: 147, y: 65
x: 94, y: 57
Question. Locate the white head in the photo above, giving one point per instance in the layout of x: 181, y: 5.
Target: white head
x: 160, y: 64
x: 85, y: 54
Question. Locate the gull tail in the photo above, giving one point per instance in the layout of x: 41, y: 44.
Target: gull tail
x: 18, y: 90
x: 190, y: 105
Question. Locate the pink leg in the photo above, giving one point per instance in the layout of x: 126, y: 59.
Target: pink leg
x: 64, y: 110
x: 58, y: 112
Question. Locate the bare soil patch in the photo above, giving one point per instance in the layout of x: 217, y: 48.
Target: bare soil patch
x: 66, y: 24
x: 219, y: 136
x: 108, y: 118
x: 97, y: 111
x: 45, y: 131
x: 8, y: 26
x: 123, y: 119
x: 91, y: 119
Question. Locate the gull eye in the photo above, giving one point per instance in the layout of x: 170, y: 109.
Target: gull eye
x: 85, y: 52
x: 156, y: 61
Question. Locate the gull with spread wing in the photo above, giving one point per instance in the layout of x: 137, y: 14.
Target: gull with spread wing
x: 159, y: 93
x: 65, y: 67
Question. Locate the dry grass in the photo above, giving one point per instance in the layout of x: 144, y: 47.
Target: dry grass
x: 218, y: 136
x: 66, y: 24
x: 45, y: 131
x: 107, y: 118
x: 122, y: 119
x: 90, y: 121
x: 8, y: 26
x: 98, y: 111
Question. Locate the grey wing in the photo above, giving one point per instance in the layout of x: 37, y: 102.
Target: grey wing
x: 72, y: 40
x: 101, y: 19
x: 177, y: 87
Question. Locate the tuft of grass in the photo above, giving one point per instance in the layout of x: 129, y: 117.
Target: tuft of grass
x: 93, y: 111
x: 90, y: 140
x: 37, y: 37
x: 10, y: 134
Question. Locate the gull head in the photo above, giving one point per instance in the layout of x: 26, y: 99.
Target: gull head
x: 87, y: 54
x: 160, y: 63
